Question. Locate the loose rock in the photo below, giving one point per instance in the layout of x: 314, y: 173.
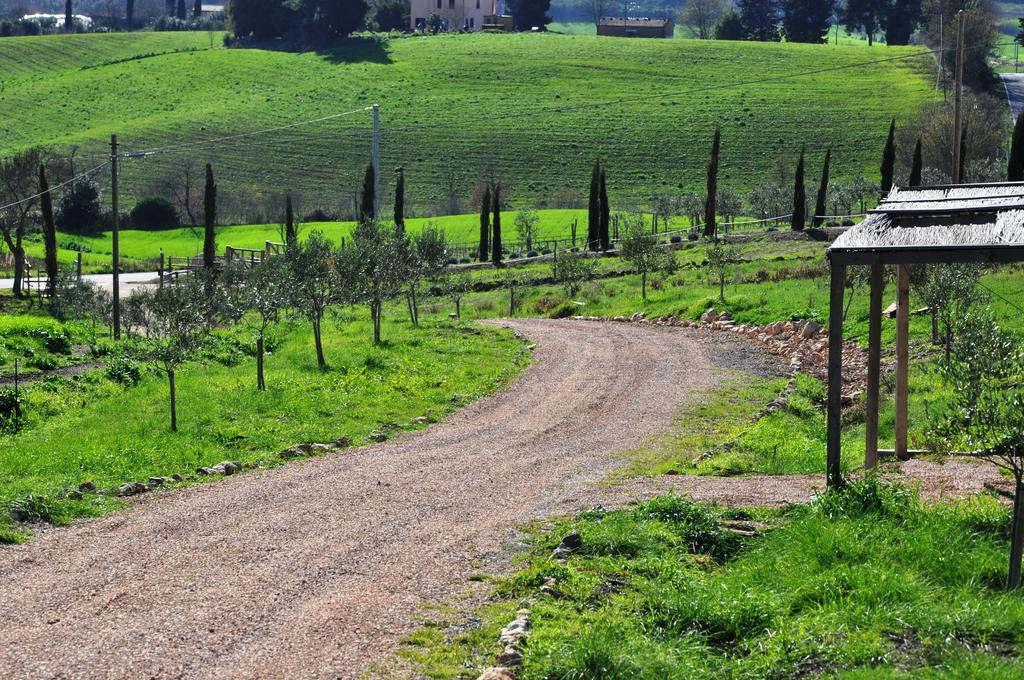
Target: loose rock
x: 132, y: 489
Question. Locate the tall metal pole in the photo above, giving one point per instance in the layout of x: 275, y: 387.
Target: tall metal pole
x: 957, y: 111
x: 376, y: 161
x: 115, y: 245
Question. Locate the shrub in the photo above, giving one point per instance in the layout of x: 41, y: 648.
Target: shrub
x: 698, y: 525
x: 10, y: 409
x: 79, y: 211
x: 154, y: 213
x: 676, y: 239
x: 32, y: 508
x: 545, y: 303
x: 871, y: 496
x: 124, y: 371
x: 55, y: 342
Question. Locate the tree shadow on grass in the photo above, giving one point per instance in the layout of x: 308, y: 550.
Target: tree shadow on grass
x: 354, y: 50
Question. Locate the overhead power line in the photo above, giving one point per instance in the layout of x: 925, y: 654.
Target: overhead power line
x: 76, y: 178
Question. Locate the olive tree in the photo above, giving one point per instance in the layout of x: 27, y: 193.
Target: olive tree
x: 572, y: 270
x: 456, y: 287
x: 313, y: 286
x: 720, y: 260
x: 373, y: 268
x: 985, y: 409
x: 642, y: 251
x: 526, y: 224
x: 260, y: 294
x: 950, y: 291
x: 173, y: 323
x: 427, y: 254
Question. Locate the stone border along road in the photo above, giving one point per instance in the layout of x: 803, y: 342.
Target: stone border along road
x: 318, y: 568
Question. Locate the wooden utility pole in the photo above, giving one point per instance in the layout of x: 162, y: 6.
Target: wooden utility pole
x: 874, y: 367
x: 902, y: 357
x: 115, y: 241
x: 958, y: 122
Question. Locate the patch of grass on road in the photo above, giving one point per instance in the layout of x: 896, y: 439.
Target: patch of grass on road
x: 122, y: 435
x: 869, y: 583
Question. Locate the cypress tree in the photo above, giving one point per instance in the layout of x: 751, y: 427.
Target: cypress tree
x: 209, y: 220
x: 888, y: 160
x: 963, y: 155
x: 606, y: 216
x: 129, y: 13
x: 485, y: 223
x: 289, y: 221
x: 496, y: 225
x: 594, y: 208
x: 49, y: 232
x: 799, y: 196
x: 819, y: 208
x: 197, y: 9
x: 366, y: 196
x: 915, y: 166
x: 69, y: 17
x: 400, y: 201
x: 711, y: 206
x: 180, y: 13
x: 1015, y: 167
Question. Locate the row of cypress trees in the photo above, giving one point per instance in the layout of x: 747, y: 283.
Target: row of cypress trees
x: 490, y: 223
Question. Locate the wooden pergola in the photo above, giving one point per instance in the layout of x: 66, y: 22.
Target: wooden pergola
x: 981, y: 223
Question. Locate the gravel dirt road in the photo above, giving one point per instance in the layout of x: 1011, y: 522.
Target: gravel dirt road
x: 318, y: 568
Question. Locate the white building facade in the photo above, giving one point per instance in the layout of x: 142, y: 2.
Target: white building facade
x: 456, y: 15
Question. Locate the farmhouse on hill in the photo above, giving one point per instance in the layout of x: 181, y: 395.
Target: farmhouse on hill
x: 636, y: 28
x: 455, y: 14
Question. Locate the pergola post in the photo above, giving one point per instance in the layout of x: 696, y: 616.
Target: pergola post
x: 874, y: 367
x: 902, y: 357
x: 835, y: 375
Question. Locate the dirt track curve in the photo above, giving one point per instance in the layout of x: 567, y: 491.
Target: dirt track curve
x: 317, y: 568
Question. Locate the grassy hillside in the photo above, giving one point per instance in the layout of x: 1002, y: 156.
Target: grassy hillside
x: 454, y: 109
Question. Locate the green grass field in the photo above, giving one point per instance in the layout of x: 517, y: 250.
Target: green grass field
x: 97, y: 428
x: 869, y: 583
x: 456, y: 109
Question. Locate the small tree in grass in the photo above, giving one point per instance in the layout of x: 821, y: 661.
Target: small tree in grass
x: 572, y: 270
x: 260, y: 294
x: 526, y: 224
x: 456, y: 287
x: 427, y: 254
x: 373, y: 269
x: 985, y: 410
x: 950, y: 291
x: 400, y: 201
x: 313, y: 284
x: 640, y: 248
x: 512, y: 282
x: 173, y: 321
x: 721, y: 258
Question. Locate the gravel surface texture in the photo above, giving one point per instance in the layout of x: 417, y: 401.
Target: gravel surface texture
x: 318, y: 568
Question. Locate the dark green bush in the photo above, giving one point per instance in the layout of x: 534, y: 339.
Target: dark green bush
x: 154, y: 213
